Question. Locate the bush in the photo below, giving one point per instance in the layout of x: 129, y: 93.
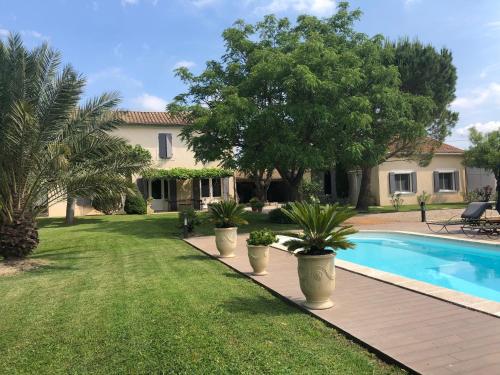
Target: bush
x: 256, y: 204
x: 262, y: 237
x: 192, y: 219
x: 108, y: 204
x: 424, y: 197
x: 135, y: 204
x: 312, y: 192
x: 484, y: 194
x: 278, y: 216
x: 397, y: 201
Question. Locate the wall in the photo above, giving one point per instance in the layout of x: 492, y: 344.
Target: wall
x: 425, y: 179
x: 478, y: 178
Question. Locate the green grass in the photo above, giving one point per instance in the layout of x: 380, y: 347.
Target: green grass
x: 123, y: 294
x: 415, y: 207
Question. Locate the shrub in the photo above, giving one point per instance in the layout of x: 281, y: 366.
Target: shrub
x: 278, y: 216
x: 108, y: 204
x: 312, y: 192
x: 397, y: 201
x: 484, y: 194
x: 135, y: 204
x: 262, y: 237
x: 424, y: 197
x: 256, y: 204
x: 226, y: 214
x: 192, y: 219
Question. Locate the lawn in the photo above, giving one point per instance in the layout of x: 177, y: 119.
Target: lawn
x: 123, y: 294
x: 415, y: 207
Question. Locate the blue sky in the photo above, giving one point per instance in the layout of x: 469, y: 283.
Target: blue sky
x: 132, y: 46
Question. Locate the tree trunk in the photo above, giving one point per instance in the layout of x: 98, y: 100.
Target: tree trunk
x: 262, y: 180
x: 19, y: 237
x: 293, y: 178
x: 364, y: 189
x: 70, y: 210
x: 333, y: 183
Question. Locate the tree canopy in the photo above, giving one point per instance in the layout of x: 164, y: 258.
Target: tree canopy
x: 485, y: 153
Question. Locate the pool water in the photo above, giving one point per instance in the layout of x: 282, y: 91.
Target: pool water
x: 471, y: 268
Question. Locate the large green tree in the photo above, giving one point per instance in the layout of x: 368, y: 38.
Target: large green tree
x: 48, y: 143
x: 485, y: 153
x: 410, y: 105
x: 278, y: 98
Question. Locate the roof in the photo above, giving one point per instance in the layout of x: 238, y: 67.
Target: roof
x: 444, y: 148
x: 151, y: 118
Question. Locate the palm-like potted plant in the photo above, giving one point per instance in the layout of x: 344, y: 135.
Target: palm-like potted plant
x: 316, y: 248
x: 258, y: 250
x: 226, y: 215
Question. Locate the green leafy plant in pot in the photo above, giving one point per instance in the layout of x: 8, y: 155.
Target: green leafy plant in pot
x: 258, y: 250
x: 226, y: 215
x: 315, y: 248
x: 256, y: 204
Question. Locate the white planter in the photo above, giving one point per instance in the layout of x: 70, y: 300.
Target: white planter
x: 259, y: 259
x: 317, y: 279
x: 225, y: 239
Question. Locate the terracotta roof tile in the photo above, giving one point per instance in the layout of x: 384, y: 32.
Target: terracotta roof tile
x: 151, y: 118
x: 444, y: 148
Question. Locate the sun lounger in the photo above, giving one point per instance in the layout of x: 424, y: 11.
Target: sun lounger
x: 471, y: 217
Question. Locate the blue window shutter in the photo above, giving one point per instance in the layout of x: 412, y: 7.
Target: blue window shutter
x: 414, y: 182
x: 169, y: 145
x: 162, y: 145
x: 436, y: 181
x: 392, y: 183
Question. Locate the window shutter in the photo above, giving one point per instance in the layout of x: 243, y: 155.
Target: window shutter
x: 392, y: 183
x: 414, y: 182
x: 162, y: 145
x: 169, y: 146
x: 142, y: 185
x: 436, y: 181
x: 196, y: 194
x: 172, y: 189
x: 456, y: 178
x: 225, y: 187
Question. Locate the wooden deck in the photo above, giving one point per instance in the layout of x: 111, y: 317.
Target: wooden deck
x: 424, y: 334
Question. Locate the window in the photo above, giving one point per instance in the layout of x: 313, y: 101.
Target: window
x: 446, y: 181
x: 156, y: 189
x: 205, y: 187
x: 402, y: 182
x: 211, y: 187
x: 216, y: 187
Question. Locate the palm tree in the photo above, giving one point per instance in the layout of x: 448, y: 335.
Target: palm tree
x: 50, y: 148
x: 226, y: 214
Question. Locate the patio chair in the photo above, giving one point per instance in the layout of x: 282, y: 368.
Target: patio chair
x: 489, y: 227
x: 472, y: 216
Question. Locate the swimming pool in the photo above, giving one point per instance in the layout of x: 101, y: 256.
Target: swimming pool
x: 471, y: 268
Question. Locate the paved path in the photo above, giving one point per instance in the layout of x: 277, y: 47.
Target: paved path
x: 424, y: 334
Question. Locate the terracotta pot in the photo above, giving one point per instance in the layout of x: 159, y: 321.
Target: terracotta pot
x: 225, y: 239
x: 317, y: 279
x: 259, y: 259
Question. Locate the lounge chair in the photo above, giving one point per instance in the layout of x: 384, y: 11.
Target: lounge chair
x: 471, y: 217
x: 488, y: 226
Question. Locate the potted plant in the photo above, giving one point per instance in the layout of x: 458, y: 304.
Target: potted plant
x: 226, y: 215
x: 256, y: 204
x: 258, y: 250
x: 316, y: 248
x: 150, y: 209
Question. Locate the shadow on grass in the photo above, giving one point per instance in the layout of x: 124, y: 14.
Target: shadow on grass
x: 194, y: 257
x: 258, y: 305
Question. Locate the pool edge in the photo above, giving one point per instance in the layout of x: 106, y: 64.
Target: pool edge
x: 467, y: 301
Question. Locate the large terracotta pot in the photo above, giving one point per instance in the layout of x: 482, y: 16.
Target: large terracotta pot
x: 259, y: 259
x: 317, y: 279
x: 225, y: 239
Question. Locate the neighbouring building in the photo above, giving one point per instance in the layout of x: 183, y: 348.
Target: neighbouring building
x: 159, y: 133
x: 444, y: 178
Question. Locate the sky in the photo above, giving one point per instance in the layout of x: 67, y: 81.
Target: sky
x: 133, y: 46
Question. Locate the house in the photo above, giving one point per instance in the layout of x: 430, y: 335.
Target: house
x: 444, y: 178
x: 159, y: 133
